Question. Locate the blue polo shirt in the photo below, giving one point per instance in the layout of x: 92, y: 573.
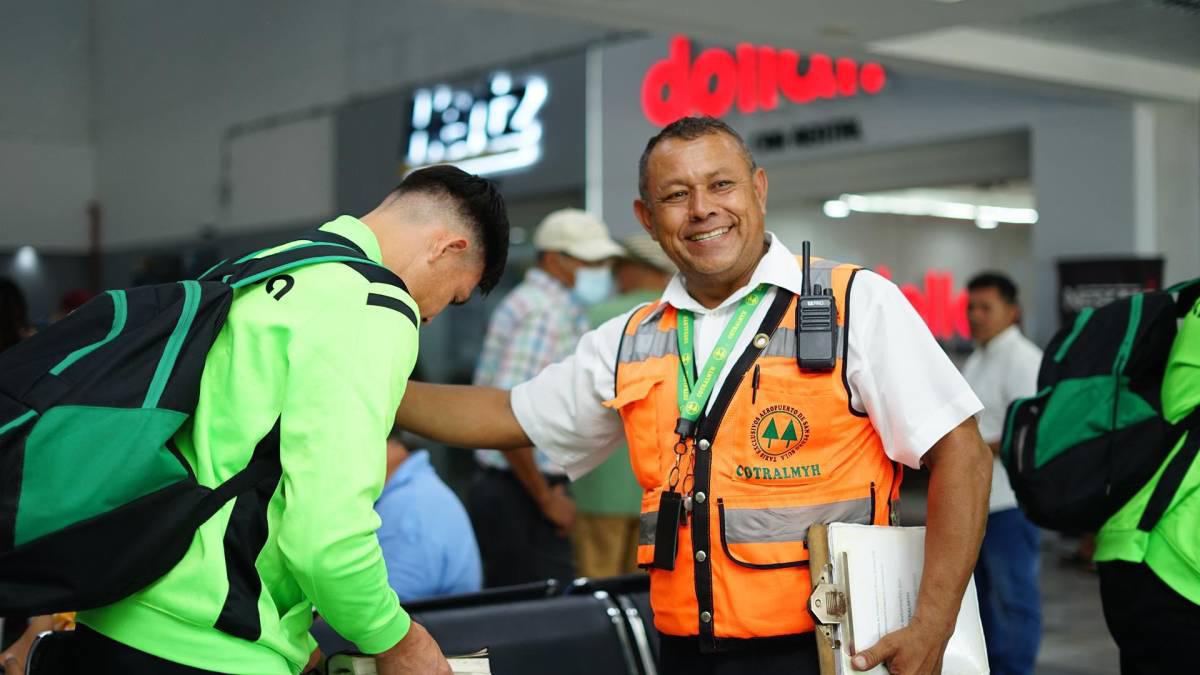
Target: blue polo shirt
x: 428, y: 544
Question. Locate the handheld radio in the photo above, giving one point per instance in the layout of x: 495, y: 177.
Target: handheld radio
x: 816, y: 323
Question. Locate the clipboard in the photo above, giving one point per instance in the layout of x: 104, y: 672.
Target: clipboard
x: 866, y: 579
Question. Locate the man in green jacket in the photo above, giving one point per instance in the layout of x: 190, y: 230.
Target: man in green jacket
x: 1150, y: 578
x: 312, y: 370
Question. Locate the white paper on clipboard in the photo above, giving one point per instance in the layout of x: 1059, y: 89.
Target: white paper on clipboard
x: 882, y: 568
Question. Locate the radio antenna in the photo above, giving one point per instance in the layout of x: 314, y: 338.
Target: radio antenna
x: 806, y: 253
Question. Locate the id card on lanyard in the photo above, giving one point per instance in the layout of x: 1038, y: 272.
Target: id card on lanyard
x: 693, y: 392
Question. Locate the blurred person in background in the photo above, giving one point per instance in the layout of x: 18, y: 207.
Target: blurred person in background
x: 425, y: 533
x: 609, y: 499
x: 518, y: 501
x: 1150, y: 580
x: 14, y: 314
x: 1004, y: 367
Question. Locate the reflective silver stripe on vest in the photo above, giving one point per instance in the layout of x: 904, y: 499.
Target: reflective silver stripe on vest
x: 783, y: 343
x: 648, y: 342
x: 757, y: 526
x: 647, y: 526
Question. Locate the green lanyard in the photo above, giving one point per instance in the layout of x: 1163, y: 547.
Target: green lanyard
x: 693, y: 393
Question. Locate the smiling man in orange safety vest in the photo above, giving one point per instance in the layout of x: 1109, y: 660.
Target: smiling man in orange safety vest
x: 738, y: 448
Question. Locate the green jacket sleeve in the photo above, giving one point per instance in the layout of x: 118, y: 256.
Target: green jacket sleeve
x: 1181, y: 383
x: 348, y: 365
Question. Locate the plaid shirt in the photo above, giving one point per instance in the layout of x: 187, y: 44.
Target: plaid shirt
x: 537, y: 324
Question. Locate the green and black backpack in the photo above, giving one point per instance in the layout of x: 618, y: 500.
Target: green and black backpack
x: 95, y: 500
x: 1094, y: 433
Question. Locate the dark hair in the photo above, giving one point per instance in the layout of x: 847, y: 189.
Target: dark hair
x: 689, y: 129
x: 997, y: 280
x: 14, y: 314
x: 478, y: 203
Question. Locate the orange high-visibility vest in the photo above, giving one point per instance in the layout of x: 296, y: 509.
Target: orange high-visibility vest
x: 779, y: 450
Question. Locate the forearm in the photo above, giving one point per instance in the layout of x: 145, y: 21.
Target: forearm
x: 960, y: 479
x: 525, y: 468
x: 461, y: 416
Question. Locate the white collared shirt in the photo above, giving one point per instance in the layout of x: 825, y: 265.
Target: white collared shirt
x: 897, y: 372
x: 1001, y: 371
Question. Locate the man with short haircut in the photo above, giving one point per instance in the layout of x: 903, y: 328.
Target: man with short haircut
x: 738, y: 451
x: 518, y: 501
x: 1003, y: 368
x: 308, y: 373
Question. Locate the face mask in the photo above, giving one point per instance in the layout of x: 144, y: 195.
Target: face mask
x: 592, y: 284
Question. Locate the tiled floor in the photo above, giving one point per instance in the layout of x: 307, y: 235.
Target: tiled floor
x: 1075, y: 640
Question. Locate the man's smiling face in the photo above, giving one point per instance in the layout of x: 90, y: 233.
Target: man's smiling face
x: 705, y: 205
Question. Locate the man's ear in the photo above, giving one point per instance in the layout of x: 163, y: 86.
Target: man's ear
x: 450, y: 244
x: 643, y: 215
x: 760, y: 188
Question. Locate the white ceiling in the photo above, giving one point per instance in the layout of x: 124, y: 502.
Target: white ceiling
x: 1146, y: 31
x: 1164, y: 30
x: 810, y: 24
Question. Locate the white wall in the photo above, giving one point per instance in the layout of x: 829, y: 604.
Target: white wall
x: 174, y: 77
x: 1176, y: 185
x: 910, y: 246
x: 46, y: 158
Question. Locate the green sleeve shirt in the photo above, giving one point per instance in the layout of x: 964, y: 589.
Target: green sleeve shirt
x: 331, y: 369
x: 1172, y: 547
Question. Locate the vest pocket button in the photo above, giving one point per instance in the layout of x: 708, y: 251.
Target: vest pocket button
x: 706, y: 617
x: 704, y: 444
x: 701, y: 556
x: 700, y: 497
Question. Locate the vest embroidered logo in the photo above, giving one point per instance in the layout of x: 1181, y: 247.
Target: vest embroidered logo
x: 778, y: 432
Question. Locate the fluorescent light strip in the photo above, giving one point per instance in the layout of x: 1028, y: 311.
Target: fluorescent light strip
x: 916, y: 206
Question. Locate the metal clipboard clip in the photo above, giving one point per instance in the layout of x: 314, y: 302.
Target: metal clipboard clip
x: 830, y: 605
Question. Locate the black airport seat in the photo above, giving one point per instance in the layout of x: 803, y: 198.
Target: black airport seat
x: 332, y: 643
x: 624, y: 584
x: 584, y: 634
x: 580, y: 634
x: 640, y: 603
x: 488, y: 596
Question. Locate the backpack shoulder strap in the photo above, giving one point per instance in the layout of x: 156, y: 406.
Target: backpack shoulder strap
x: 1187, y: 294
x: 321, y: 247
x: 1176, y: 470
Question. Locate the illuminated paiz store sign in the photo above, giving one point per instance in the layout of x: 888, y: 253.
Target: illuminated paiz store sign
x: 487, y: 131
x: 752, y: 77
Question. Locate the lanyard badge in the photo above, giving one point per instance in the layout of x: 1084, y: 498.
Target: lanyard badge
x: 693, y: 392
